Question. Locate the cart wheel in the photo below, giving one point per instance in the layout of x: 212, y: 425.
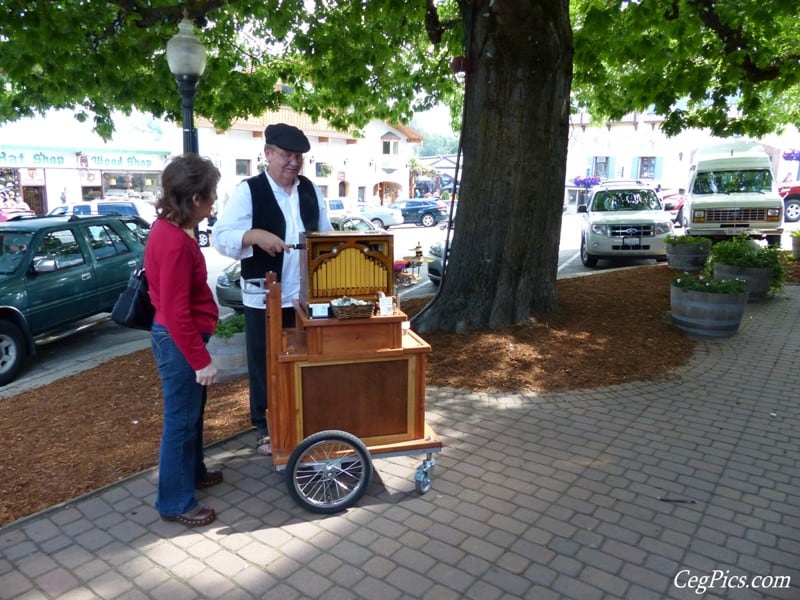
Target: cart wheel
x: 424, y: 476
x: 328, y: 471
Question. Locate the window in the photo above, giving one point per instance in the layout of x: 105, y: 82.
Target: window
x: 390, y: 147
x: 600, y: 166
x: 243, y: 167
x: 58, y: 250
x: 13, y: 247
x: 105, y: 242
x: 647, y: 167
x: 731, y: 182
x: 323, y: 169
x: 138, y: 231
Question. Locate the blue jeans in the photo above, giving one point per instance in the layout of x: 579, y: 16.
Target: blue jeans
x: 180, y: 460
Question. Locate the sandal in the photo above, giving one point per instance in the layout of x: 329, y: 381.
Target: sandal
x: 263, y: 445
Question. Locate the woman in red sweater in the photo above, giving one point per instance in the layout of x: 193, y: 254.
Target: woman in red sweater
x: 186, y: 315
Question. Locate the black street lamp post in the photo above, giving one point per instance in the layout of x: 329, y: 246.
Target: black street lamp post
x: 187, y: 61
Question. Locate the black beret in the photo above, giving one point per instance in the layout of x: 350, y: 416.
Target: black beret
x: 287, y: 137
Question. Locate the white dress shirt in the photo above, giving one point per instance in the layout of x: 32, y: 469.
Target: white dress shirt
x: 237, y: 219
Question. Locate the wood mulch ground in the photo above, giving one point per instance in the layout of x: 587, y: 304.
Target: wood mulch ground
x: 99, y: 426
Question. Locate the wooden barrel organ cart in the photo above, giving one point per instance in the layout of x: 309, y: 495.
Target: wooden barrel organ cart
x: 344, y: 390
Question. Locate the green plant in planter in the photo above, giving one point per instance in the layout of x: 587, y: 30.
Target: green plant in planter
x: 741, y: 251
x: 704, y: 283
x: 228, y: 327
x: 686, y: 239
x: 796, y: 233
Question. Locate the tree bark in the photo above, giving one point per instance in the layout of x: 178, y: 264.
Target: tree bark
x: 504, y: 253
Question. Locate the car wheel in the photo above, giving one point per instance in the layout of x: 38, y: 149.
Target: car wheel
x: 203, y: 239
x: 587, y: 259
x: 774, y: 240
x: 378, y: 223
x: 12, y: 351
x: 792, y: 210
x: 428, y: 220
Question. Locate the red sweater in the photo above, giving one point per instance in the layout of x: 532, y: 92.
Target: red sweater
x: 177, y: 276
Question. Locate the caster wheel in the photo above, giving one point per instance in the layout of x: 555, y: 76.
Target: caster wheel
x: 424, y: 477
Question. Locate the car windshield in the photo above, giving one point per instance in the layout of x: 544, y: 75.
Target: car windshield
x: 733, y: 181
x: 625, y: 200
x: 13, y: 245
x: 351, y: 225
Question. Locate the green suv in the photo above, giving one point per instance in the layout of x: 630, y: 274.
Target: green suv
x: 58, y: 271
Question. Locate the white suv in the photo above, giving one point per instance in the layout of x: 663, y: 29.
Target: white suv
x: 623, y: 220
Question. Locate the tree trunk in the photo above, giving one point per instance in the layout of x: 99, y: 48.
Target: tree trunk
x: 504, y: 254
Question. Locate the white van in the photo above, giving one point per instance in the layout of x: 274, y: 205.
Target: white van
x: 732, y: 191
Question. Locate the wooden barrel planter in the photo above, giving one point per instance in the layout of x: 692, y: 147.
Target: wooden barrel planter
x: 758, y: 278
x: 707, y: 314
x: 688, y: 256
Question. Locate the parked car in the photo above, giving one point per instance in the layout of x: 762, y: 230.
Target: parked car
x: 382, y: 217
x: 623, y: 221
x: 339, y: 207
x: 732, y: 191
x: 8, y: 214
x: 204, y: 229
x: 790, y: 192
x: 57, y: 271
x: 352, y: 223
x: 229, y: 286
x: 137, y: 208
x: 673, y: 201
x: 421, y: 211
x: 437, y: 267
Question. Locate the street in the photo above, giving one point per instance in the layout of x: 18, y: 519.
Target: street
x: 94, y: 344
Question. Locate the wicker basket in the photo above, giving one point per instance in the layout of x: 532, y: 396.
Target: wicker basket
x: 353, y: 311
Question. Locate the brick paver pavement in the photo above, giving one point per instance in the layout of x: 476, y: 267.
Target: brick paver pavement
x: 660, y: 489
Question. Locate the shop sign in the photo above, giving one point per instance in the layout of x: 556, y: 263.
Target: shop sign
x: 31, y: 158
x: 31, y: 177
x: 18, y: 156
x: 90, y: 178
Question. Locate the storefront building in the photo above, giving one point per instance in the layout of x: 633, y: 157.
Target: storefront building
x: 75, y: 164
x: 46, y: 177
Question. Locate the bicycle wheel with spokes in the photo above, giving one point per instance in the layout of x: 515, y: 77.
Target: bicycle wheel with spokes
x: 328, y: 471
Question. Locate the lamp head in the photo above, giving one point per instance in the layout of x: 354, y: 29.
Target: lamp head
x: 185, y: 52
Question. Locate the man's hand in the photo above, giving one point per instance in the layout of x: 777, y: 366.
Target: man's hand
x: 267, y: 241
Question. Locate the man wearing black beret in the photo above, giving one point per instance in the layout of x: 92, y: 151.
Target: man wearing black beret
x: 265, y: 214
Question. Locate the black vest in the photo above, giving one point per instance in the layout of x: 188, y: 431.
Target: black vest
x: 267, y: 215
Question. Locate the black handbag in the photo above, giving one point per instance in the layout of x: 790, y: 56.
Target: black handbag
x: 133, y: 307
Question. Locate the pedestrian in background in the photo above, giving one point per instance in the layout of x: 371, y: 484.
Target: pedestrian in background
x: 185, y: 317
x: 263, y: 216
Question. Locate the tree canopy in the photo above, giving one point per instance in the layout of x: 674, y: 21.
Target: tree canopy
x: 732, y: 66
x: 348, y: 62
x: 729, y: 65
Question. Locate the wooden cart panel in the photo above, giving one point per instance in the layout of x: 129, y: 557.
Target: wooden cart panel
x: 363, y: 376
